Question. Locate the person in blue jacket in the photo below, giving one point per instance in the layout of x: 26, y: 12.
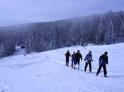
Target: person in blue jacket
x: 103, y: 60
x: 88, y: 59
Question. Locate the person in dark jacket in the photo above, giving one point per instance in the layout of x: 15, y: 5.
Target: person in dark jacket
x: 88, y: 59
x: 73, y: 60
x: 102, y: 63
x: 78, y: 57
x: 67, y: 55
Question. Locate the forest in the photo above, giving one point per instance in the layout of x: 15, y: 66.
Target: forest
x: 99, y: 29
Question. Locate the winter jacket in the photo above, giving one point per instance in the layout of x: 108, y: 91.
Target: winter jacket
x: 67, y: 56
x: 103, y: 59
x: 78, y: 56
x: 73, y: 58
x: 88, y: 57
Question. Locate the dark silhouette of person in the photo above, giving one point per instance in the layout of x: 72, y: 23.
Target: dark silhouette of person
x: 73, y: 60
x: 67, y: 55
x: 78, y: 57
x: 88, y: 59
x: 102, y: 63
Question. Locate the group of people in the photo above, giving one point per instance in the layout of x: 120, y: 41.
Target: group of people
x: 77, y: 57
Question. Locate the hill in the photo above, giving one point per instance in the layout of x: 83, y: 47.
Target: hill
x: 46, y: 71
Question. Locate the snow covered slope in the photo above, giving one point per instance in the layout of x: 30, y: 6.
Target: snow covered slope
x: 46, y: 72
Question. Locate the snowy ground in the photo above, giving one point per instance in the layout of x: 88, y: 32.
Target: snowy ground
x: 46, y: 72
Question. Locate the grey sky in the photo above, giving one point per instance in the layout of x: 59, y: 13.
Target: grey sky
x: 24, y: 11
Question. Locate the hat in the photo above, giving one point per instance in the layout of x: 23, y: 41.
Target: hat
x: 90, y: 51
x: 106, y: 52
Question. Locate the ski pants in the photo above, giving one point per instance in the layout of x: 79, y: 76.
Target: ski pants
x: 90, y: 67
x: 104, y: 69
x: 67, y: 61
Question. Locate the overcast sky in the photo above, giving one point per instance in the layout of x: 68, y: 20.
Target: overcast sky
x: 24, y: 11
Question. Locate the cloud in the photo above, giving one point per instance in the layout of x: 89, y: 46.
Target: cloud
x: 23, y: 11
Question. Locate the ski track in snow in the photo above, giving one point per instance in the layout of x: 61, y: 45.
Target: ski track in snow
x: 46, y: 72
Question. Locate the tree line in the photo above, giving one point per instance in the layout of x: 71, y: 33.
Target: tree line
x: 107, y: 28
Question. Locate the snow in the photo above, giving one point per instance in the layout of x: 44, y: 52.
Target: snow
x: 19, y: 51
x: 46, y: 71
